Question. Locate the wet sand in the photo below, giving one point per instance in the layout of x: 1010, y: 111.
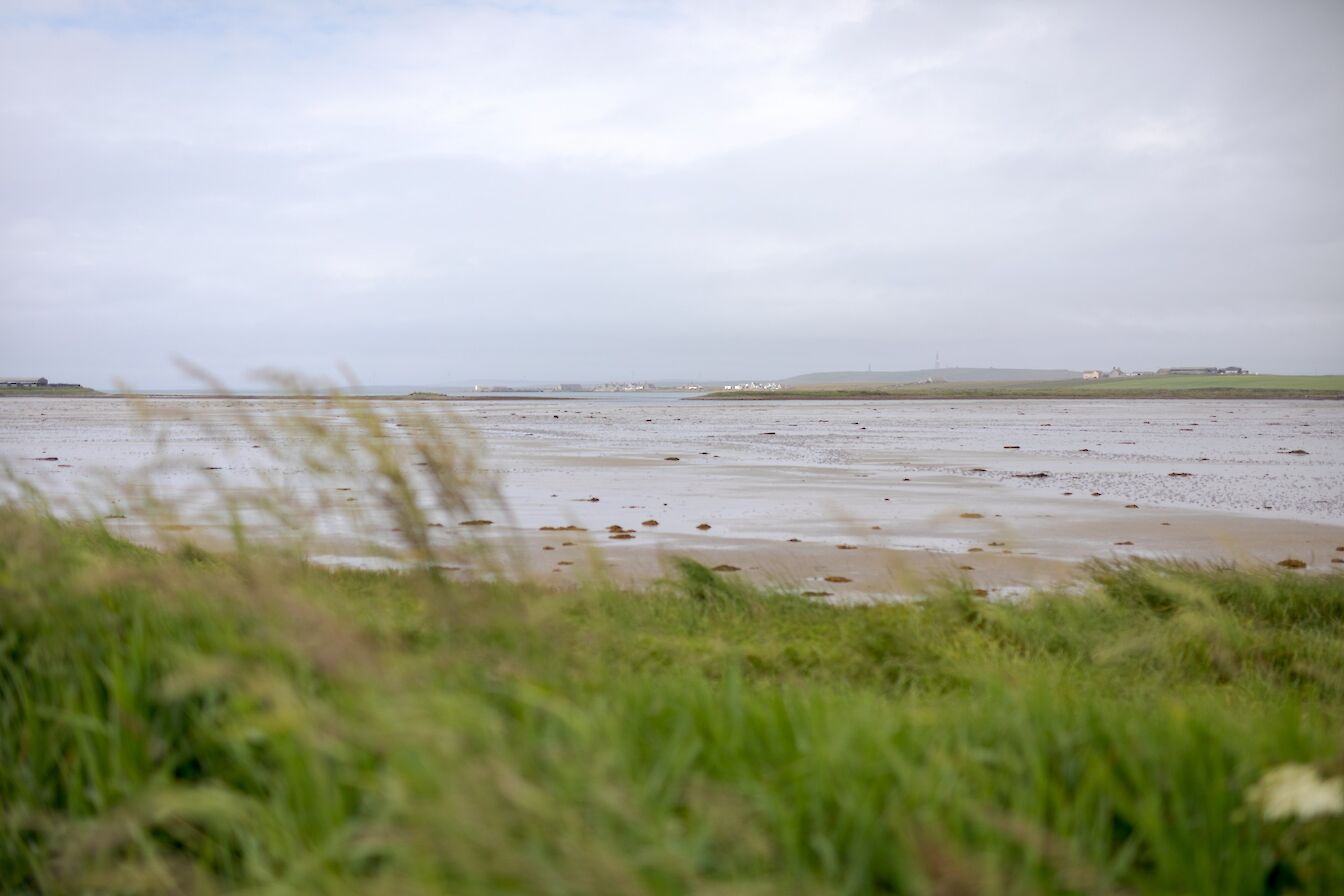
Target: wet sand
x: 913, y: 489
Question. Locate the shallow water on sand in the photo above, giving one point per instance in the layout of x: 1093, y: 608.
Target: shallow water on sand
x: 912, y: 475
x: 1236, y: 455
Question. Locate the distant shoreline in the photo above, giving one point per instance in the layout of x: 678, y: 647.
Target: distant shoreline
x: 1005, y: 395
x: 50, y: 391
x: 842, y: 394
x: 1250, y: 386
x: 267, y: 396
x: 1211, y: 387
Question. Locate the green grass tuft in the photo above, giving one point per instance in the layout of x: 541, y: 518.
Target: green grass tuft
x: 174, y: 722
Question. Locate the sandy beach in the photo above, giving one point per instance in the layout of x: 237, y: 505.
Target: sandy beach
x: 841, y: 498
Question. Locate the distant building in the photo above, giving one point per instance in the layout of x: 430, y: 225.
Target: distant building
x: 625, y: 387
x: 23, y: 382
x: 1091, y: 374
x: 1115, y: 372
x: 1199, y: 371
x: 571, y: 387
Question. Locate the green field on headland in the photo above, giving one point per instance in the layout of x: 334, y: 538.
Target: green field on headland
x: 189, y: 722
x: 46, y: 391
x: 1231, y: 386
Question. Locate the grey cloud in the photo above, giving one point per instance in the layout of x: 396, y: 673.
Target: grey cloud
x: 587, y: 191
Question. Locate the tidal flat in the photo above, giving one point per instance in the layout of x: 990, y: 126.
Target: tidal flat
x: 850, y: 499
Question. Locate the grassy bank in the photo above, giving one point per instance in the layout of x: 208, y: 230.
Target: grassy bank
x: 1244, y: 387
x: 182, y: 722
x: 48, y: 392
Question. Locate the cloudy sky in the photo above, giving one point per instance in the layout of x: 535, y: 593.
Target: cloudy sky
x: 454, y: 192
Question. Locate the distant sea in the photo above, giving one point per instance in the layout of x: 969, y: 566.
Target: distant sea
x: 453, y: 391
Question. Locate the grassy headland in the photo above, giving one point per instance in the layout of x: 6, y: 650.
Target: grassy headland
x: 175, y: 722
x: 1255, y: 386
x: 47, y: 391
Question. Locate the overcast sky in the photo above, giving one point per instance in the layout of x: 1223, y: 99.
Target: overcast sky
x: 454, y: 192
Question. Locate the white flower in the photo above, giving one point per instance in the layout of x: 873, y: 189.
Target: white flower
x: 1296, y: 791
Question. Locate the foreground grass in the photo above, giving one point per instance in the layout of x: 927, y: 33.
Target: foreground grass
x: 187, y: 722
x: 1256, y: 386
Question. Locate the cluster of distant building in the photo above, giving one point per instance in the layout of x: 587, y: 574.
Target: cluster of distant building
x: 604, y: 387
x: 637, y: 387
x: 1116, y: 372
x: 754, y: 387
